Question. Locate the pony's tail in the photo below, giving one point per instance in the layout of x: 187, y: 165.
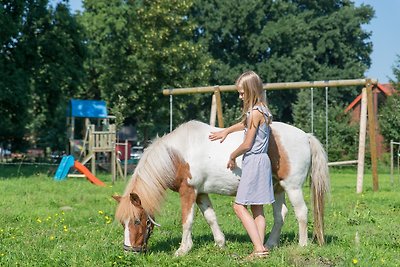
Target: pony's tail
x: 320, y: 186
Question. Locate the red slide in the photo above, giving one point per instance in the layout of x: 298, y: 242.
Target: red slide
x: 80, y: 167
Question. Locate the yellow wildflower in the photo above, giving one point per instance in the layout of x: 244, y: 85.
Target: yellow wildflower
x: 355, y: 261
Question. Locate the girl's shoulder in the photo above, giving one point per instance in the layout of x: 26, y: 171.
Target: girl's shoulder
x: 262, y: 109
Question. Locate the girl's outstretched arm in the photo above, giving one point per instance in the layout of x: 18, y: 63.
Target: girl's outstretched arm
x: 223, y: 133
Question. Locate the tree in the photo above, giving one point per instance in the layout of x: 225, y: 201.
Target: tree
x: 389, y: 114
x: 285, y: 41
x: 138, y: 48
x: 41, y: 67
x: 14, y: 93
x: 56, y: 74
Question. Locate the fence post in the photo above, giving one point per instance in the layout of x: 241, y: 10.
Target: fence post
x: 361, y: 141
x: 217, y: 93
x: 372, y: 135
x: 213, y: 113
x: 391, y: 161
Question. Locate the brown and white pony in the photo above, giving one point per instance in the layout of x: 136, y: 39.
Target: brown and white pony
x: 186, y: 161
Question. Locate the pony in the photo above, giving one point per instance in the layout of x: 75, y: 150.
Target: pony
x: 187, y: 162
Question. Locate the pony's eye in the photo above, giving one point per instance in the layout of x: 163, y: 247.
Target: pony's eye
x: 137, y: 222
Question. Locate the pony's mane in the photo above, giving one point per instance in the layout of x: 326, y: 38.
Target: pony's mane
x: 155, y: 172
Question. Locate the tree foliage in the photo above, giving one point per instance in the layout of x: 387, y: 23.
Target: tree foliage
x: 137, y: 49
x: 389, y: 118
x: 41, y: 68
x: 14, y: 80
x: 285, y: 41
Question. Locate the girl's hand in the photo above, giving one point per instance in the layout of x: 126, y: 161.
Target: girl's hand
x: 231, y: 164
x: 218, y: 135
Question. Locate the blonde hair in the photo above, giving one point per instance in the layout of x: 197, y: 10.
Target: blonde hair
x: 252, y: 87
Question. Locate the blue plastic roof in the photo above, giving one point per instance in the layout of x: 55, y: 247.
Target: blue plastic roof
x: 88, y: 109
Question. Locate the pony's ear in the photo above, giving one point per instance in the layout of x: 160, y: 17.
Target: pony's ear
x: 117, y: 198
x: 135, y: 200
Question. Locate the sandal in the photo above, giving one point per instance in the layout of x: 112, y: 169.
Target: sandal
x: 258, y: 255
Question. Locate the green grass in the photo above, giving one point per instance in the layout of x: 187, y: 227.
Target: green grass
x: 71, y: 223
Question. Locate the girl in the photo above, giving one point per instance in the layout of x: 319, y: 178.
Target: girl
x: 255, y: 186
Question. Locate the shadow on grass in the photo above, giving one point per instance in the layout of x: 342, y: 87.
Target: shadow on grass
x: 23, y: 170
x: 288, y: 238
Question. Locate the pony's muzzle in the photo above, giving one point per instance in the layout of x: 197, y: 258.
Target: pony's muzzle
x: 134, y: 249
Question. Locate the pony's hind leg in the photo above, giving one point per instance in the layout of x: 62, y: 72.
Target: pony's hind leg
x: 204, y: 203
x: 280, y: 210
x: 300, y: 209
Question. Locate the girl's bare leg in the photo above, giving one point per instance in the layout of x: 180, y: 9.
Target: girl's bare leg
x: 259, y: 219
x: 250, y: 226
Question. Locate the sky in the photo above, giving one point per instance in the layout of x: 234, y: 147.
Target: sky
x: 385, y: 36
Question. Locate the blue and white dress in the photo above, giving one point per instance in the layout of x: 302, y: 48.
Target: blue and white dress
x: 255, y: 186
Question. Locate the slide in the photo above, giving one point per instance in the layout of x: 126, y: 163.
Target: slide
x: 66, y: 163
x: 80, y: 167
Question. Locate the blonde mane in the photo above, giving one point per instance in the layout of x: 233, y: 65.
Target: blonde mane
x: 153, y: 175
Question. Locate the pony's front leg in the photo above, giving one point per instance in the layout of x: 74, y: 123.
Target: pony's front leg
x: 280, y: 210
x: 204, y: 203
x: 188, y: 198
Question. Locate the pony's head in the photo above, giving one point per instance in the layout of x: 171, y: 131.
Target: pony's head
x: 155, y: 172
x: 137, y: 224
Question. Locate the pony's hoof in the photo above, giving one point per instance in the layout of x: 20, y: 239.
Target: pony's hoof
x: 220, y: 243
x: 270, y: 245
x: 180, y: 252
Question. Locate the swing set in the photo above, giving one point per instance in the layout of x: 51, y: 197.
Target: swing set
x: 366, y: 107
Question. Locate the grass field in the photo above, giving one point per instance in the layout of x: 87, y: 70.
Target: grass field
x: 71, y: 223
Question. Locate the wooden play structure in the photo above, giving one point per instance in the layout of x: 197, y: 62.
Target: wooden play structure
x: 99, y: 135
x: 366, y: 107
x: 100, y: 142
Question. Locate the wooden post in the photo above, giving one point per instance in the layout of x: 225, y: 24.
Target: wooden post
x: 213, y: 113
x: 72, y: 136
x: 112, y: 143
x: 391, y: 161
x: 372, y: 136
x: 219, y: 107
x: 126, y: 159
x: 91, y: 150
x: 361, y: 142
